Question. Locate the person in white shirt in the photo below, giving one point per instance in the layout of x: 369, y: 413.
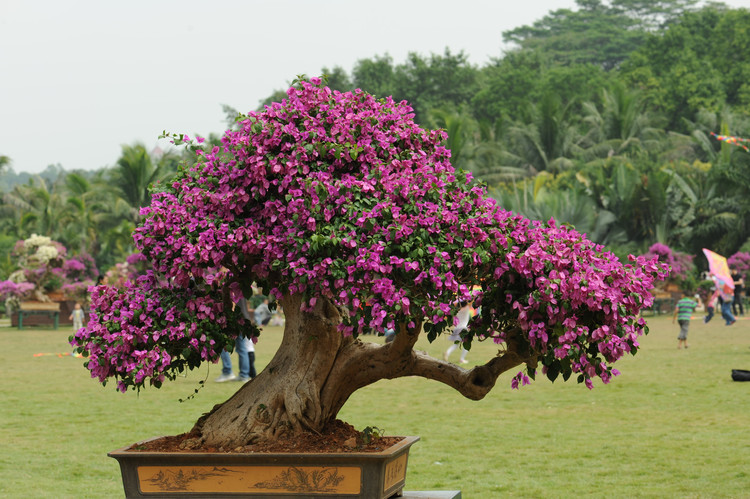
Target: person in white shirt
x: 462, y: 321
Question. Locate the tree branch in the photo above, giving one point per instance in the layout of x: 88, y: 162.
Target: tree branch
x: 404, y: 340
x: 366, y: 363
x: 473, y: 383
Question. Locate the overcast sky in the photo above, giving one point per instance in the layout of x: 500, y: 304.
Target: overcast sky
x: 79, y: 78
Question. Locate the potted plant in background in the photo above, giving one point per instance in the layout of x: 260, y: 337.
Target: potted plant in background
x: 682, y: 275
x: 37, y: 257
x: 135, y: 265
x: 13, y: 293
x: 47, y: 279
x: 351, y: 217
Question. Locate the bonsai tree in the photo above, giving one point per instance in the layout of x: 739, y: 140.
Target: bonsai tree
x: 39, y: 260
x: 351, y: 216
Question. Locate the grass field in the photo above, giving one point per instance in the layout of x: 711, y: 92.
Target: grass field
x: 673, y: 424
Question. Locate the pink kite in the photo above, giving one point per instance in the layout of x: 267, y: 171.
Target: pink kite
x: 718, y: 267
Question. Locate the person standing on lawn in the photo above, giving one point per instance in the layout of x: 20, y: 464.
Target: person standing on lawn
x: 77, y: 317
x: 245, y: 351
x: 739, y: 284
x: 262, y: 314
x: 725, y: 301
x: 682, y: 312
x: 462, y: 321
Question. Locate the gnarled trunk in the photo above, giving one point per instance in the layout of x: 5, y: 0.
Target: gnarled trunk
x: 316, y: 369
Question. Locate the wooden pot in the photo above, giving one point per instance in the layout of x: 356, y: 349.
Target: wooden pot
x: 367, y: 475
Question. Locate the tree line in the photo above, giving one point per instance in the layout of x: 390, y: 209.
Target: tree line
x: 600, y: 116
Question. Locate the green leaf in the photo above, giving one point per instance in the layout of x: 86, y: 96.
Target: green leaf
x: 553, y: 372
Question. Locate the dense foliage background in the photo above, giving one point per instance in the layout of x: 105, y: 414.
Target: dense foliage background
x: 600, y: 117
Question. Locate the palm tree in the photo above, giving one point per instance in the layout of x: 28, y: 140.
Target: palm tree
x: 726, y: 216
x: 37, y: 208
x: 622, y: 125
x: 134, y: 173
x: 725, y: 122
x: 635, y: 194
x: 86, y: 208
x: 546, y: 140
x: 116, y: 243
x: 533, y: 199
x: 474, y: 147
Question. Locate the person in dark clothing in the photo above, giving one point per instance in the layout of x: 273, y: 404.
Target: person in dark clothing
x: 739, y: 285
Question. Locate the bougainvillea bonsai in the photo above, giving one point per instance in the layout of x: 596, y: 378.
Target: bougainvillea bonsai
x: 351, y: 216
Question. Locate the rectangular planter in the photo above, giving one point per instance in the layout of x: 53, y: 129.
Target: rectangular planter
x: 370, y: 475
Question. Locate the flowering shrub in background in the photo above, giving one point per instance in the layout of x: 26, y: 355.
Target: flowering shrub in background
x: 741, y: 262
x: 44, y: 267
x: 351, y: 215
x: 12, y: 293
x: 80, y: 267
x: 134, y: 266
x: 680, y: 264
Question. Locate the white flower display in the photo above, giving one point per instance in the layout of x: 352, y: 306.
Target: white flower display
x: 46, y: 253
x: 36, y: 241
x: 17, y: 276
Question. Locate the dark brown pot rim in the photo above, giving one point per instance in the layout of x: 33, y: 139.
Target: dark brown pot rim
x: 126, y: 451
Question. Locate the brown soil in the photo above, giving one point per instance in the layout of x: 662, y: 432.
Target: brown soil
x: 335, y: 437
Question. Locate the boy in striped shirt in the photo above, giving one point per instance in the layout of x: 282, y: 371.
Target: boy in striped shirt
x: 682, y: 312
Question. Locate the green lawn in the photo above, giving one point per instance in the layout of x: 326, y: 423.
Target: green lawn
x: 673, y: 424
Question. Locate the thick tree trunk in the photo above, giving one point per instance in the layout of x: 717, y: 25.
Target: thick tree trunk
x: 315, y: 371
x: 286, y: 394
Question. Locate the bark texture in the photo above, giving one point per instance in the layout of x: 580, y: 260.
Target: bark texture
x: 316, y: 369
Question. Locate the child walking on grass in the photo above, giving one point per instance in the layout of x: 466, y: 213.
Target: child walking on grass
x: 682, y: 312
x: 713, y: 300
x: 77, y: 317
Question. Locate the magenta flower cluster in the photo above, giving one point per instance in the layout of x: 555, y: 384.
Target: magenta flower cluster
x: 577, y: 305
x: 10, y: 289
x: 680, y: 264
x: 151, y: 331
x: 740, y: 261
x: 342, y: 196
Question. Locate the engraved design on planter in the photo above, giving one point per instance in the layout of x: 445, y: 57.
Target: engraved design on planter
x: 168, y: 480
x: 295, y: 479
x: 395, y: 471
x: 250, y: 479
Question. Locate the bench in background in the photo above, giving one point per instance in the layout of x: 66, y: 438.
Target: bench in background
x: 39, y: 308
